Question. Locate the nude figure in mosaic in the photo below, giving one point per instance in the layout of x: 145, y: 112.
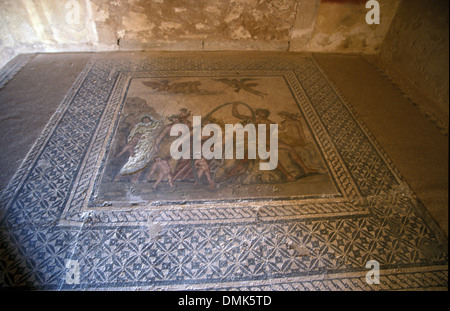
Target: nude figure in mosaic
x: 183, y: 169
x: 202, y: 168
x: 290, y: 136
x: 129, y: 148
x: 261, y: 117
x: 162, y: 168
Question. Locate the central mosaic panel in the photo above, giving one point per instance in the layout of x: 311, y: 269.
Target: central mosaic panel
x: 139, y: 165
x: 129, y: 164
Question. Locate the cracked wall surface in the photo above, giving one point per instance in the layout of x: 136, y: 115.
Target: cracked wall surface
x: 193, y: 24
x: 341, y: 26
x: 29, y: 26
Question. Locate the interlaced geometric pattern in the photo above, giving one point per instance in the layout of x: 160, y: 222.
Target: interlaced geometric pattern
x: 51, y: 237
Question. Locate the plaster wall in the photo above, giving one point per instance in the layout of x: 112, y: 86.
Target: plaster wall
x: 29, y: 26
x: 418, y: 45
x: 340, y: 26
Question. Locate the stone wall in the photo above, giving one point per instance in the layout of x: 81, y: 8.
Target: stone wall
x: 29, y: 26
x: 200, y: 24
x: 418, y: 44
x: 341, y: 27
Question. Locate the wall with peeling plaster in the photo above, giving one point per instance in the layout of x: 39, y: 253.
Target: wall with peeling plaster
x: 29, y: 26
x: 341, y: 26
x: 200, y: 24
x: 418, y: 44
x: 416, y: 39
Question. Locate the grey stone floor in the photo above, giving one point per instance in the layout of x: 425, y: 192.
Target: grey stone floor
x: 29, y: 100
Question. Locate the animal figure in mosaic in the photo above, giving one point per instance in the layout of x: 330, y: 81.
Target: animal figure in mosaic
x: 242, y: 84
x: 187, y: 87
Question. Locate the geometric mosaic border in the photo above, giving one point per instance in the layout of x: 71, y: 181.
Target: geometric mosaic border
x: 9, y: 70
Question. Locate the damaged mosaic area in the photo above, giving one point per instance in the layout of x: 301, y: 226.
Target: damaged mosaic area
x: 99, y: 203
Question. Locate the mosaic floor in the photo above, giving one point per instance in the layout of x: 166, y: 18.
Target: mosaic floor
x: 99, y: 203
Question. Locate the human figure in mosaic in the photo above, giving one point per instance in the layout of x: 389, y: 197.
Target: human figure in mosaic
x: 129, y: 148
x: 164, y: 171
x: 291, y: 130
x: 291, y: 135
x: 183, y: 115
x: 173, y: 119
x: 202, y: 169
x: 261, y: 117
x: 145, y: 150
x: 183, y: 168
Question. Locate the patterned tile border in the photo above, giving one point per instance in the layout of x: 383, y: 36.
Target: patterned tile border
x: 8, y: 71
